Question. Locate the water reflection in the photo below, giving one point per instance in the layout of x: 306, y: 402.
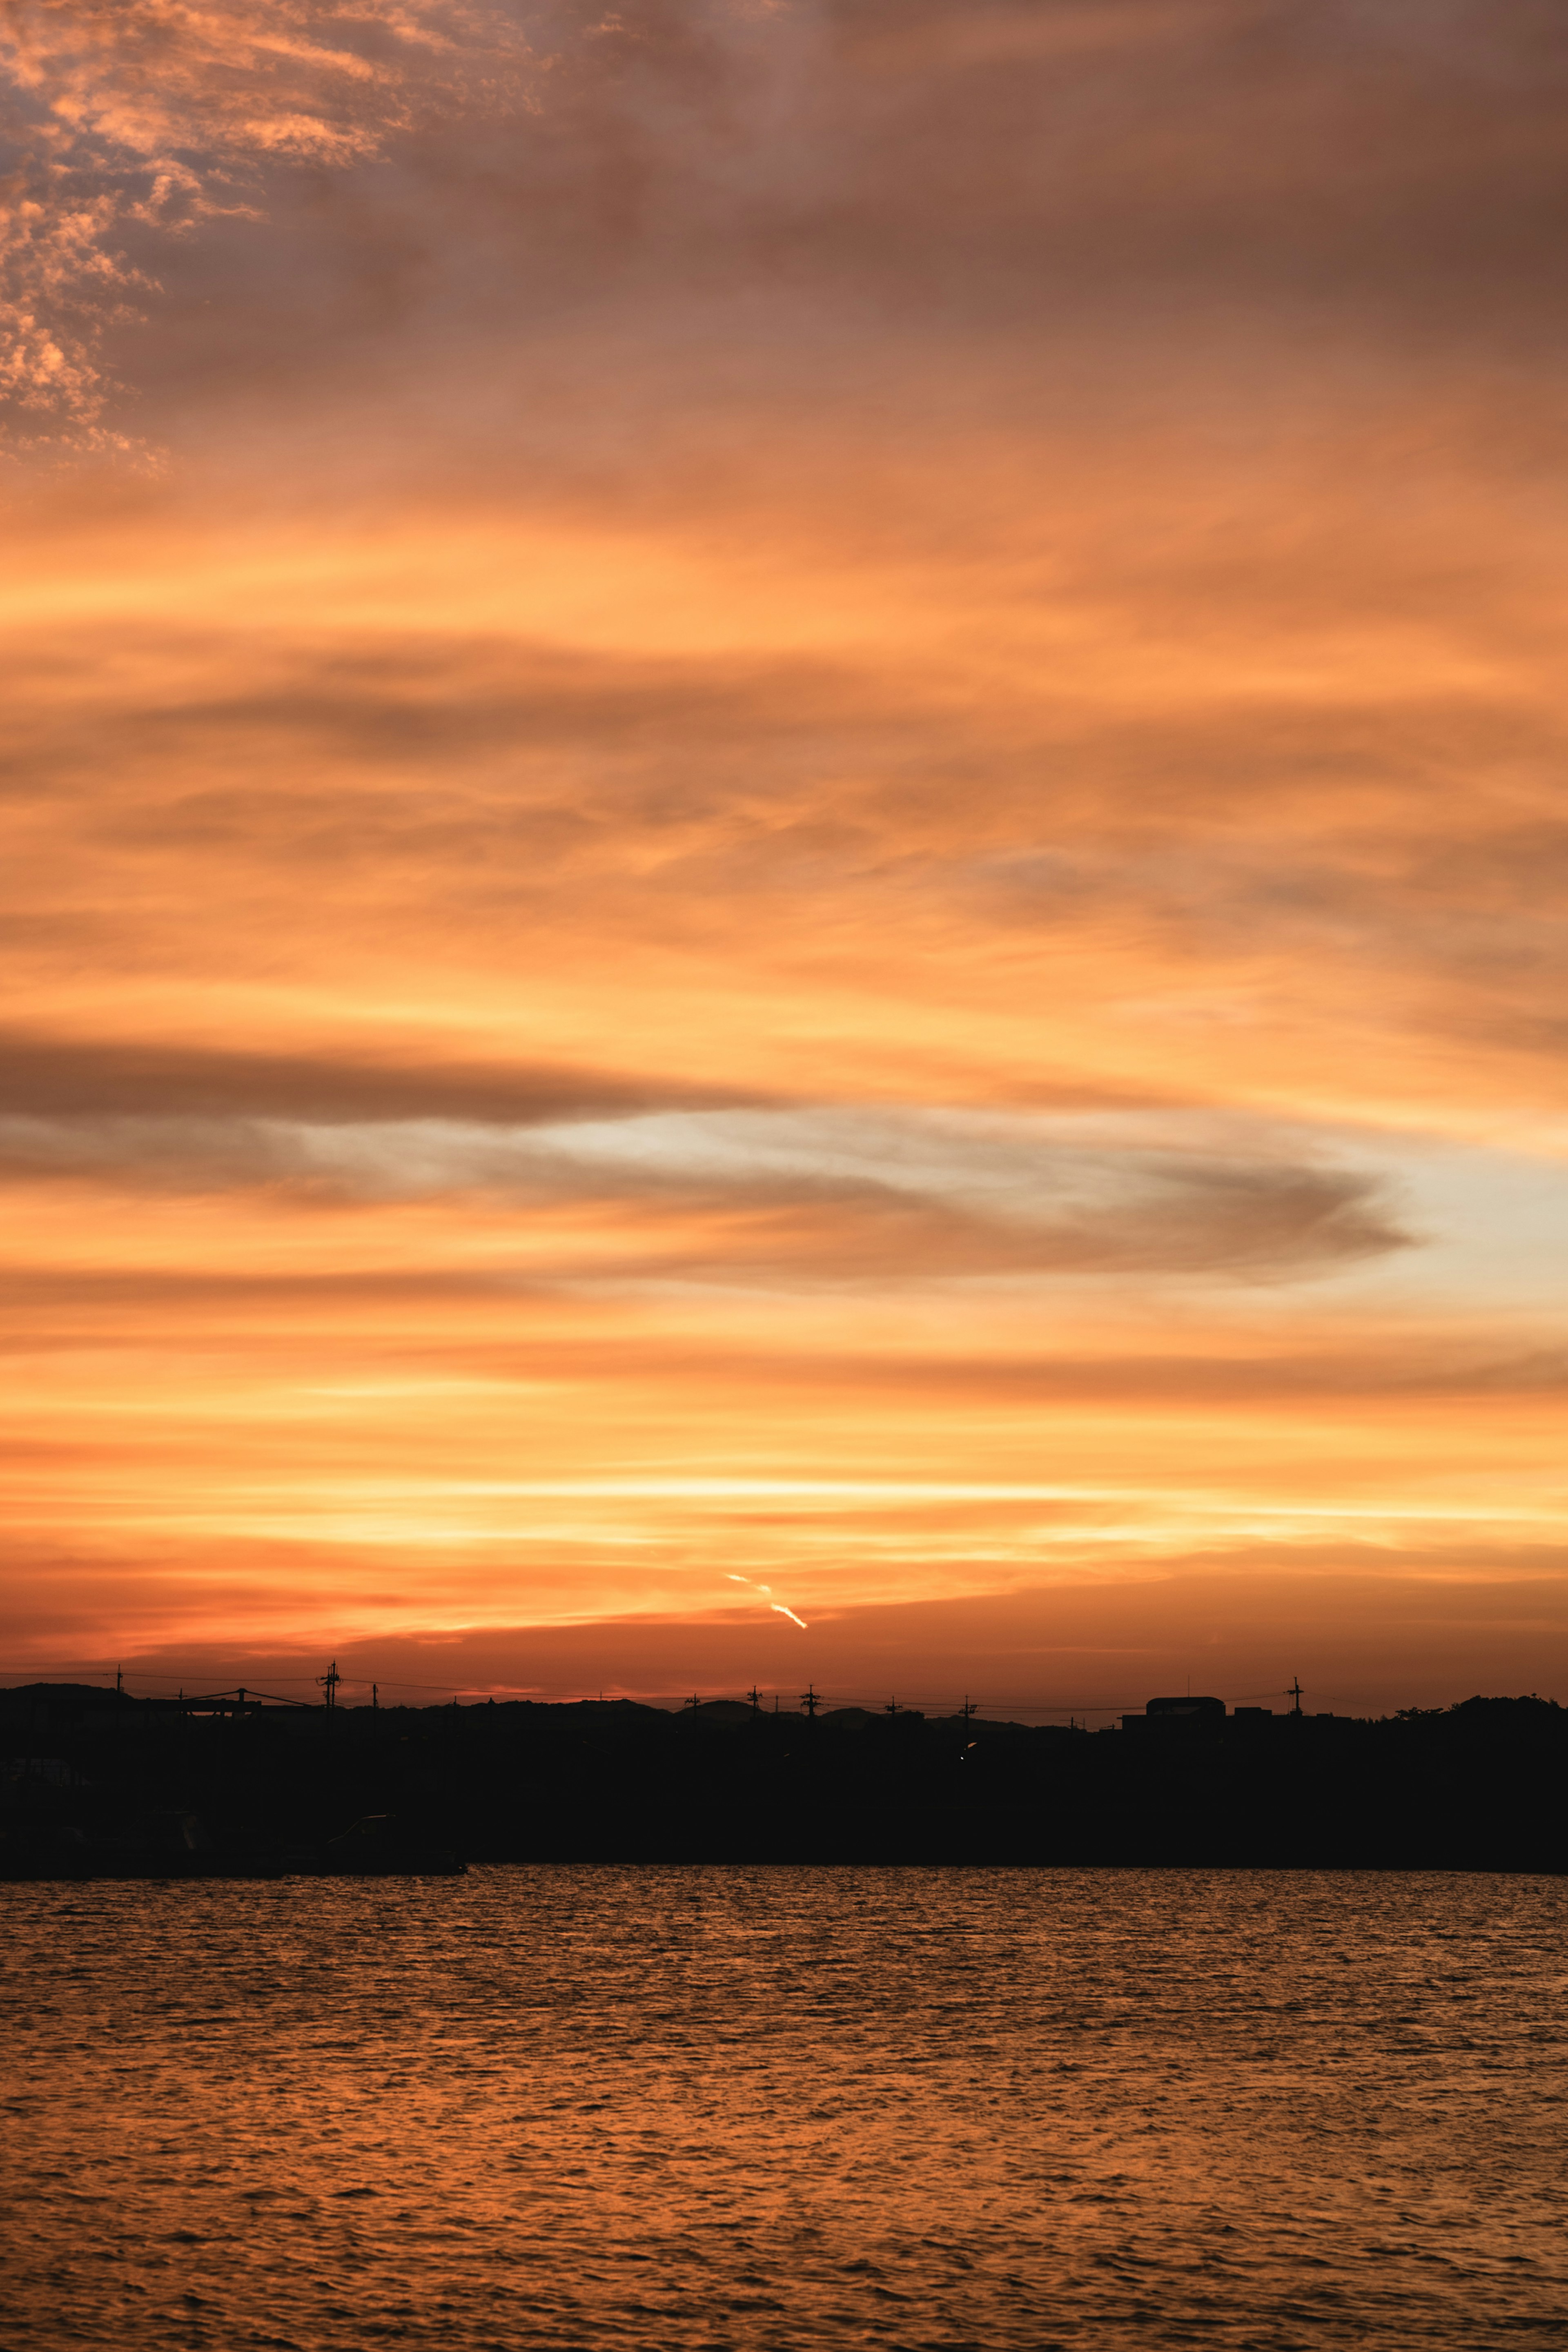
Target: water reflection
x: 787, y: 2108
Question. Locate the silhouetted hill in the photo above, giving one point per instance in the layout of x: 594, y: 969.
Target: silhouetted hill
x: 85, y: 1699
x: 89, y: 1782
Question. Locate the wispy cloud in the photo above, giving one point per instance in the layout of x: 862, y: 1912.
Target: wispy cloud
x: 785, y: 1195
x: 53, y: 1082
x: 133, y: 119
x: 1035, y: 173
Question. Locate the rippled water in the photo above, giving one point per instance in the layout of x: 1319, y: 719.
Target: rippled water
x: 787, y: 2107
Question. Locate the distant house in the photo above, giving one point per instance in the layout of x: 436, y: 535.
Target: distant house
x: 1189, y: 1711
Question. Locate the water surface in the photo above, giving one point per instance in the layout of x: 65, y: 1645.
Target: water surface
x: 787, y: 2107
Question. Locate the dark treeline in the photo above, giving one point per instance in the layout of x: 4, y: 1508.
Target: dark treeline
x: 93, y: 1783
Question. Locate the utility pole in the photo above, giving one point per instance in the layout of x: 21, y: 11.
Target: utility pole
x: 693, y: 1703
x: 810, y: 1701
x: 119, y: 1681
x: 328, y: 1683
x: 756, y: 1698
x: 374, y: 1696
x: 891, y: 1707
x: 971, y: 1706
x: 1295, y: 1692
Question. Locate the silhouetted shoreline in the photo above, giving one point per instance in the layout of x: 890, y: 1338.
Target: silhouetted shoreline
x: 97, y: 1784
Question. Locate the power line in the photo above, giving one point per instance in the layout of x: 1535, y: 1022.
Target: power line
x: 919, y: 1701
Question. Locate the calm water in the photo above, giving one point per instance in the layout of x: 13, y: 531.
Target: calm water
x: 787, y: 2107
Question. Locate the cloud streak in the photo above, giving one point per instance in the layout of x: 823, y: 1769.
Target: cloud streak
x: 57, y: 1081
x: 779, y: 1196
x: 777, y: 1607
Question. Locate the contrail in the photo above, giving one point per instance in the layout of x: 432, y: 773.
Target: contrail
x: 777, y: 1606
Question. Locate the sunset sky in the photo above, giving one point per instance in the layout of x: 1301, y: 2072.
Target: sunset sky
x: 786, y: 808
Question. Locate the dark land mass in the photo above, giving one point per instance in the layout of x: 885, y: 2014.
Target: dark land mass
x: 94, y: 1784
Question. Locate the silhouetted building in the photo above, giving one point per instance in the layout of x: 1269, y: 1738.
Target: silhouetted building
x: 1187, y: 1711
